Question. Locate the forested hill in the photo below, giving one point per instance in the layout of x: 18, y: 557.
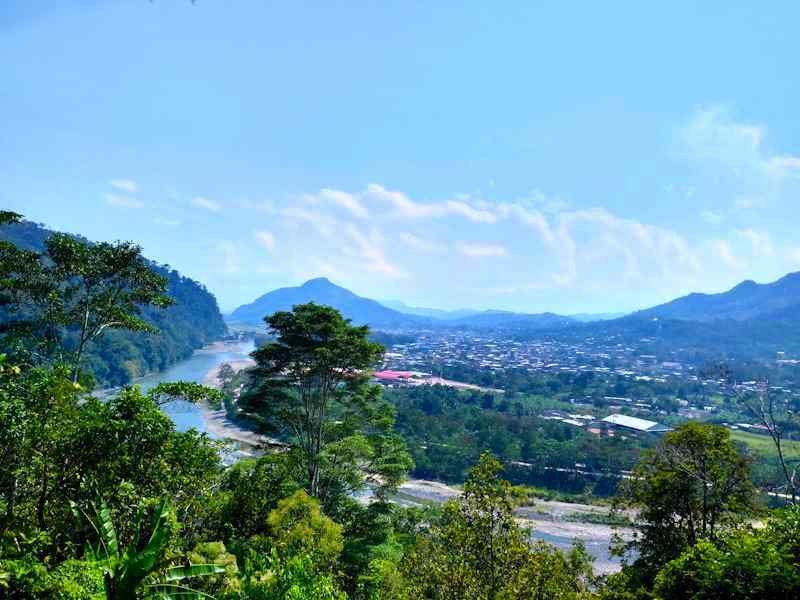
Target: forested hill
x: 120, y: 356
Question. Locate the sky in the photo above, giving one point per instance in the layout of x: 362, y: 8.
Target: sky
x: 532, y: 156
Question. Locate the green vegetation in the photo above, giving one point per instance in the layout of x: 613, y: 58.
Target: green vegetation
x: 447, y: 430
x: 763, y: 444
x: 311, y: 387
x: 111, y: 351
x: 106, y: 500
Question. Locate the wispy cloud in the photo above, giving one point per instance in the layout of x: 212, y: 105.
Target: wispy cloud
x: 206, y: 204
x: 760, y: 242
x: 123, y: 201
x: 422, y: 245
x: 713, y: 136
x: 125, y: 185
x: 724, y: 252
x: 265, y: 239
x: 405, y: 207
x: 349, y: 202
x: 369, y: 249
x: 229, y: 258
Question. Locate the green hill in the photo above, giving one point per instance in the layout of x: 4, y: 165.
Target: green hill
x: 120, y: 356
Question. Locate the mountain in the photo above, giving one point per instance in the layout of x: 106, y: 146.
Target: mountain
x: 592, y: 317
x: 748, y: 300
x: 435, y: 313
x: 322, y: 291
x: 120, y: 356
x: 499, y: 319
x: 379, y: 316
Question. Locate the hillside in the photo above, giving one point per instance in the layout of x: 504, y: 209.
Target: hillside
x: 745, y: 301
x: 498, y: 319
x: 379, y: 316
x: 120, y: 356
x: 322, y: 291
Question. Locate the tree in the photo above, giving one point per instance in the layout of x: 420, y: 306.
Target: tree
x: 479, y: 552
x: 744, y: 564
x: 75, y: 291
x: 692, y: 485
x: 142, y: 567
x: 774, y: 414
x: 311, y: 384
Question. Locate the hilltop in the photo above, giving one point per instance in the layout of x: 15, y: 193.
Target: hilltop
x: 745, y: 301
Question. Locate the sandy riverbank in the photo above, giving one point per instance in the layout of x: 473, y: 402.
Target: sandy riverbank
x: 211, y: 378
x: 217, y: 421
x: 547, y: 518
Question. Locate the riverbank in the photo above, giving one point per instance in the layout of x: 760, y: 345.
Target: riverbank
x: 550, y: 520
x: 217, y: 422
x: 211, y: 378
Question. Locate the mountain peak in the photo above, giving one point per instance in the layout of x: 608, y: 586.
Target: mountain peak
x: 322, y: 291
x: 318, y: 282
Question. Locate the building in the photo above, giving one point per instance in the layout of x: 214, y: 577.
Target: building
x: 635, y: 424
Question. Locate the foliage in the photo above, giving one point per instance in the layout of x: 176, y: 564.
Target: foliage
x: 694, y: 484
x: 142, y: 566
x: 292, y: 579
x: 479, y: 552
x: 28, y: 578
x: 34, y: 294
x: 744, y: 564
x: 298, y: 528
x: 311, y: 385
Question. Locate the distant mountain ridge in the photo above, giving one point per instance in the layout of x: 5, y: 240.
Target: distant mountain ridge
x: 322, y: 291
x: 436, y: 313
x: 747, y: 300
x: 379, y: 316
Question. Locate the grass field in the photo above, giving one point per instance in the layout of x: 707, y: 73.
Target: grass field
x: 763, y: 444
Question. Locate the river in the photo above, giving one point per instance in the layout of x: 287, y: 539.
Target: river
x: 195, y: 368
x: 551, y: 527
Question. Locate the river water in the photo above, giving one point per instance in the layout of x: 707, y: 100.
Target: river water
x: 187, y: 415
x: 195, y: 368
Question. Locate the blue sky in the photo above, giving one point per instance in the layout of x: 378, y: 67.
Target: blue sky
x: 562, y: 156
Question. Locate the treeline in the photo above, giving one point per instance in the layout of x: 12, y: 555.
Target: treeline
x: 106, y: 500
x: 120, y: 355
x: 446, y: 430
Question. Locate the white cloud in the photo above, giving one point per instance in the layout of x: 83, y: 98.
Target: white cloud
x: 123, y: 201
x: 760, y: 242
x: 405, y: 207
x: 713, y: 136
x: 230, y: 258
x: 793, y: 256
x: 349, y: 202
x: 421, y: 245
x: 265, y: 239
x: 724, y: 252
x: 475, y: 250
x: 369, y: 249
x: 125, y: 185
x: 207, y: 204
x: 326, y: 226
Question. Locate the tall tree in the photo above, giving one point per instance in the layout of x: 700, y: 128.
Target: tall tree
x: 692, y: 485
x: 311, y: 385
x: 75, y: 291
